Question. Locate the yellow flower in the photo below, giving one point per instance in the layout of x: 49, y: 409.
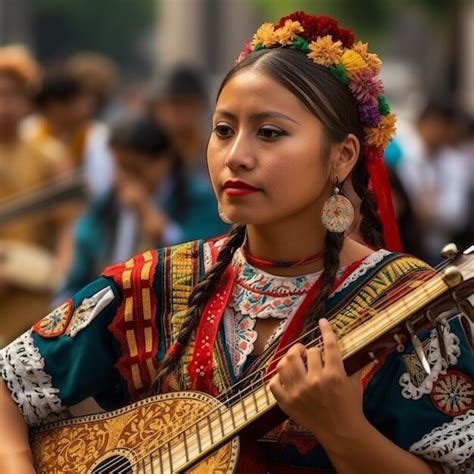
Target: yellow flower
x: 265, y: 36
x: 325, y: 52
x: 381, y: 135
x: 353, y: 62
x: 287, y: 33
x: 371, y: 59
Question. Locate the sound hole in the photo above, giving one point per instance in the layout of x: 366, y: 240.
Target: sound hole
x: 114, y: 464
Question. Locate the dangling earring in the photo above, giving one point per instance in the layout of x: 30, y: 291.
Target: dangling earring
x: 338, y: 212
x: 222, y: 215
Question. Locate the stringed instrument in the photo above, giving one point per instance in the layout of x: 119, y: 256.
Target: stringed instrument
x: 194, y: 432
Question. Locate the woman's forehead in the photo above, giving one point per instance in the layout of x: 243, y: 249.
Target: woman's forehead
x: 254, y: 92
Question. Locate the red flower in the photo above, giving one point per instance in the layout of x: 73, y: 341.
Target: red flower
x: 347, y: 37
x: 306, y: 21
x: 319, y: 26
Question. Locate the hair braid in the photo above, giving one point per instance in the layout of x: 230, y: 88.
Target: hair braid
x: 334, y: 242
x: 198, y: 298
x: 370, y: 227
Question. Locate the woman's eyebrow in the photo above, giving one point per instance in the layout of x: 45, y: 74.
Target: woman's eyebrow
x: 257, y: 116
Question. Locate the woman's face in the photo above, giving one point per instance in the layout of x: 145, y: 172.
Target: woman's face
x: 264, y: 137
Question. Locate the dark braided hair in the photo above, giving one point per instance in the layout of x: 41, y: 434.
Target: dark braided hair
x: 198, y: 298
x: 333, y: 103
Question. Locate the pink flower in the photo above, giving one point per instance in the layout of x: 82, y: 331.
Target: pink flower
x: 365, y: 86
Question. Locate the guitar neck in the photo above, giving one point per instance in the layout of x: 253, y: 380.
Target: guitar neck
x: 224, y: 423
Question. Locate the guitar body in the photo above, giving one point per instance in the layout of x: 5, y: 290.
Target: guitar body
x: 116, y: 441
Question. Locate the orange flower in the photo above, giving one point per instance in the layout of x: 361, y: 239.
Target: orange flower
x: 381, y: 135
x: 287, y: 33
x: 371, y: 59
x: 325, y: 52
x: 265, y: 36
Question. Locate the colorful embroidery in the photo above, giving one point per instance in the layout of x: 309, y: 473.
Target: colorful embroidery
x: 135, y: 325
x: 56, y: 322
x: 88, y: 310
x: 453, y: 393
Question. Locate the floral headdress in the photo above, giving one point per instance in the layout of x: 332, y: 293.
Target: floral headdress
x: 325, y: 43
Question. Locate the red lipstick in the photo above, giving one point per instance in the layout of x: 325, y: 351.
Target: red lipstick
x: 238, y: 188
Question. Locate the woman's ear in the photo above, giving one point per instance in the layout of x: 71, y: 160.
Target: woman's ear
x: 344, y: 156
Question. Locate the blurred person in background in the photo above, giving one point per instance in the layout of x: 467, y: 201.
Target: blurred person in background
x: 181, y: 105
x: 97, y: 75
x: 154, y: 202
x: 64, y: 113
x: 433, y: 175
x: 34, y: 247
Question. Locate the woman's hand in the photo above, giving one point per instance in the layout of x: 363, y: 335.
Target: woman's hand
x: 315, y: 391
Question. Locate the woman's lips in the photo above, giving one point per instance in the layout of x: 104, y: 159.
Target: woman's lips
x: 238, y: 188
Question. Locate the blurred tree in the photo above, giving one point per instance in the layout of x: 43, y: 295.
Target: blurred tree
x: 113, y: 27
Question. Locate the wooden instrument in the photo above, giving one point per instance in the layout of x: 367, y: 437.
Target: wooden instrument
x: 69, y: 186
x: 193, y: 432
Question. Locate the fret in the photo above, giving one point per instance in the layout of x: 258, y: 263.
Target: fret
x: 219, y: 415
x: 231, y: 411
x: 211, y: 434
x: 150, y: 463
x: 254, y: 398
x: 170, y: 455
x: 242, y: 402
x: 266, y: 389
x: 160, y: 460
x: 185, y: 442
x: 198, y: 435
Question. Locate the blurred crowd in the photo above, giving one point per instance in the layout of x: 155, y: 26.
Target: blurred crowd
x: 92, y: 173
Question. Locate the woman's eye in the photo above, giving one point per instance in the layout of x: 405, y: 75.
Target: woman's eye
x: 223, y: 131
x: 270, y: 133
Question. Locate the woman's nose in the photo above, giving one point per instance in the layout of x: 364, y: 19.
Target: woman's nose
x: 240, y: 154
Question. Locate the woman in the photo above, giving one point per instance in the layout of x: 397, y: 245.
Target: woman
x: 153, y: 203
x: 286, y: 134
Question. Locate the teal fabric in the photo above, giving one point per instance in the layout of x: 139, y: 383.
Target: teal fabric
x: 83, y: 366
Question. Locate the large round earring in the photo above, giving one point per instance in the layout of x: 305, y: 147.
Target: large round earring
x: 222, y: 215
x: 338, y: 212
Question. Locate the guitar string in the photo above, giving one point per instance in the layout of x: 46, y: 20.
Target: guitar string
x: 380, y: 306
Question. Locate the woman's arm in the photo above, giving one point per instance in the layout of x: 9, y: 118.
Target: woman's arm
x: 15, y: 453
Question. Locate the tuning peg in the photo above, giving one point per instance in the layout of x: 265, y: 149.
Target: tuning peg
x: 452, y: 276
x: 450, y: 251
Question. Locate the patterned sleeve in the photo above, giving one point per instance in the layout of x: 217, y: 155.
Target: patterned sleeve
x: 430, y: 415
x: 97, y: 344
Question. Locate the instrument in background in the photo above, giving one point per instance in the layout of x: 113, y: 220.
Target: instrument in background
x: 68, y: 187
x: 29, y: 269
x: 193, y: 432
